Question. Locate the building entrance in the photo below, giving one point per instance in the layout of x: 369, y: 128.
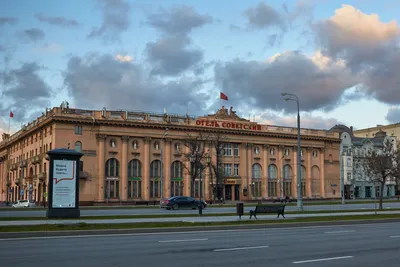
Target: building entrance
x: 228, y: 192
x: 237, y: 192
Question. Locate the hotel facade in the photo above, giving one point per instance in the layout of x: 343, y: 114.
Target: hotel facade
x: 123, y: 151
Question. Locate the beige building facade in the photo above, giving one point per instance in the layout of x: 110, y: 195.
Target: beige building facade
x: 390, y: 129
x: 123, y: 152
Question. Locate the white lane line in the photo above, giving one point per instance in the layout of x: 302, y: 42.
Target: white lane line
x: 395, y: 236
x: 183, y: 240
x: 324, y: 259
x: 340, y: 232
x: 240, y: 248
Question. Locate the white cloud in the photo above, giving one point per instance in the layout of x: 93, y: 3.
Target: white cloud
x: 122, y: 58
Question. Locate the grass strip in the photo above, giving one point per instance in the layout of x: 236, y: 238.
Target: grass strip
x: 85, y: 226
x: 190, y: 215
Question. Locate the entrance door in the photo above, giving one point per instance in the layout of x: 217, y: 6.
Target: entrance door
x: 237, y: 192
x: 228, y: 192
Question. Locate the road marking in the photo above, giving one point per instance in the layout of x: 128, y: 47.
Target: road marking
x: 395, y: 236
x: 240, y: 248
x: 183, y: 240
x: 324, y: 259
x: 340, y: 232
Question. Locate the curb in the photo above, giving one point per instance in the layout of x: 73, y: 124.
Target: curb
x: 79, y: 233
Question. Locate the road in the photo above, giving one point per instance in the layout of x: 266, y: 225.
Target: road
x: 210, y: 210
x: 323, y: 246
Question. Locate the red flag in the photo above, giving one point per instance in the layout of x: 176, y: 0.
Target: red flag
x: 223, y: 96
x: 11, y: 114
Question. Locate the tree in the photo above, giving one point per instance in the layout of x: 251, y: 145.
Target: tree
x: 217, y: 141
x: 195, y: 157
x: 382, y: 166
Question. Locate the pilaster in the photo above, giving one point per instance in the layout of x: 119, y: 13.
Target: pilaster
x: 322, y: 166
x: 101, y: 166
x: 264, y: 175
x: 146, y: 169
x: 308, y: 171
x: 167, y: 168
x: 124, y: 169
x: 295, y: 176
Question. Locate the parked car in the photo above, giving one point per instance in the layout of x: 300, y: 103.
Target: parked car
x: 181, y: 202
x: 23, y: 204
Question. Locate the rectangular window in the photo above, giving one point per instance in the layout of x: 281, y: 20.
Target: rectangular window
x: 51, y: 146
x: 287, y: 189
x: 272, y: 189
x: 236, y: 169
x: 227, y: 150
x: 134, y: 189
x: 176, y: 188
x: 228, y: 169
x: 154, y: 189
x: 78, y: 130
x: 349, y: 177
x: 256, y: 189
x: 236, y: 150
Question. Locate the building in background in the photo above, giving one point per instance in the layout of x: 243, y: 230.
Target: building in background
x: 390, y: 129
x: 122, y: 156
x: 357, y: 183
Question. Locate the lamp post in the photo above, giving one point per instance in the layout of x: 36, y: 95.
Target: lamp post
x: 293, y: 97
x: 162, y: 169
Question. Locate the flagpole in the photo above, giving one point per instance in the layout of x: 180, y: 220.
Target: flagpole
x: 9, y: 124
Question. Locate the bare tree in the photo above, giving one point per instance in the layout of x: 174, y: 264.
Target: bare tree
x: 195, y: 157
x: 217, y: 141
x: 382, y: 166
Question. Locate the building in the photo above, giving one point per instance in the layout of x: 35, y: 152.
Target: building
x: 390, y: 129
x: 357, y: 183
x: 123, y: 152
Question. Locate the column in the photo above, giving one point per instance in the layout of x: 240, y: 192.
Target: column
x: 206, y: 177
x: 279, y: 166
x: 308, y: 175
x: 264, y: 175
x: 322, y: 175
x: 146, y: 169
x: 101, y: 168
x: 248, y: 169
x: 124, y: 169
x: 295, y: 175
x: 186, y: 175
x: 167, y: 168
x: 243, y: 172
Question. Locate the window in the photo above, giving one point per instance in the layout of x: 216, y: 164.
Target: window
x: 154, y: 189
x: 236, y: 150
x: 256, y: 188
x: 78, y: 130
x: 272, y: 188
x: 155, y: 169
x: 236, y: 169
x: 112, y: 168
x: 287, y: 183
x: 348, y: 162
x: 287, y: 172
x: 272, y: 171
x: 176, y: 170
x: 228, y: 169
x: 134, y: 189
x: 78, y: 146
x: 256, y: 171
x: 227, y: 150
x: 134, y: 169
x: 349, y: 177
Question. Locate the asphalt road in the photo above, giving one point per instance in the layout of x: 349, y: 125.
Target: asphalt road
x: 210, y: 210
x: 323, y: 246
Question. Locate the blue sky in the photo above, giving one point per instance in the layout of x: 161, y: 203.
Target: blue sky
x: 226, y: 48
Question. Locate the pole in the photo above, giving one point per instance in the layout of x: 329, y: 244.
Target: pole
x: 201, y: 192
x: 9, y: 124
x: 341, y: 175
x: 299, y: 182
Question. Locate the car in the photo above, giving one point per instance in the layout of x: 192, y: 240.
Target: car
x: 23, y: 204
x: 182, y: 202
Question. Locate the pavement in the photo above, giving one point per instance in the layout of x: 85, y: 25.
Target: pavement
x: 320, y: 246
x: 186, y: 219
x: 146, y: 211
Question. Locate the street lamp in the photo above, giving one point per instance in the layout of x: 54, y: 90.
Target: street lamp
x: 161, y: 175
x: 293, y: 97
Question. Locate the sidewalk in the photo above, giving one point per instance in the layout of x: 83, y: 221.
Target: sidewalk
x: 186, y: 219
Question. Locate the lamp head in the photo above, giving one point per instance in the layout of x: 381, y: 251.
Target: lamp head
x: 283, y: 94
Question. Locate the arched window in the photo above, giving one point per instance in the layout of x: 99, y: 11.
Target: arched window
x: 155, y: 169
x: 272, y: 171
x: 256, y: 171
x: 176, y: 169
x: 78, y: 146
x: 303, y: 172
x: 287, y: 172
x: 112, y: 168
x: 134, y: 169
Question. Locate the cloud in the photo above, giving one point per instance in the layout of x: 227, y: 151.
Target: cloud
x: 393, y: 115
x: 122, y: 58
x: 49, y: 48
x: 24, y: 90
x: 170, y: 56
x: 264, y: 16
x: 319, y: 85
x: 115, y: 19
x: 7, y: 20
x: 99, y: 80
x: 32, y: 35
x: 178, y: 20
x: 58, y: 21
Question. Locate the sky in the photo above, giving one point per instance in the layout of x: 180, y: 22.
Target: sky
x: 340, y: 59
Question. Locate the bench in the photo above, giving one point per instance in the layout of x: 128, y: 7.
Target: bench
x: 263, y: 208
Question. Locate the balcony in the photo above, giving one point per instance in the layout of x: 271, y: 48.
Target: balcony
x: 83, y: 175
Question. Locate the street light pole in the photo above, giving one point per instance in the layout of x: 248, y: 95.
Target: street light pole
x: 294, y: 97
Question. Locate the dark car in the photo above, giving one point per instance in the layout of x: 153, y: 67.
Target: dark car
x: 180, y: 202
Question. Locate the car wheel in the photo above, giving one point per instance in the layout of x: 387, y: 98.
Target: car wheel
x: 168, y: 208
x: 175, y: 207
